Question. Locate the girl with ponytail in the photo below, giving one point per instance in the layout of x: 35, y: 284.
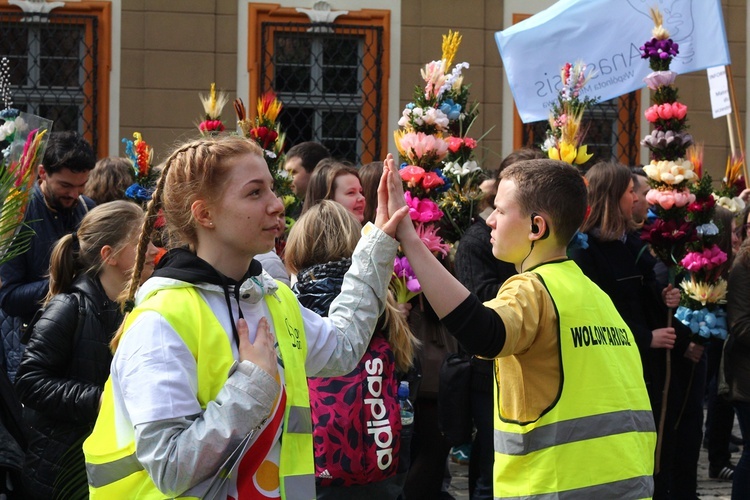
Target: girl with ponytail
x: 66, y: 362
x: 208, y: 392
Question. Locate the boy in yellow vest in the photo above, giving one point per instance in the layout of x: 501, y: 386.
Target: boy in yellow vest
x: 572, y: 413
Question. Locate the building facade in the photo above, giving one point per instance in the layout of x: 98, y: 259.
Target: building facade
x: 344, y: 70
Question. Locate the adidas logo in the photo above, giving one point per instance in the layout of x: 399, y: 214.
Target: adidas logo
x: 325, y: 475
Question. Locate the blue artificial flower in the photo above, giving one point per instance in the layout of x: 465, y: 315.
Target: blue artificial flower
x: 131, y: 154
x: 447, y: 182
x: 579, y: 241
x: 138, y: 193
x: 704, y: 323
x: 9, y: 113
x: 451, y: 109
x: 410, y: 105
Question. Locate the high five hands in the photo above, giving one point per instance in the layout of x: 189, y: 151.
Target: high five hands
x: 392, y: 209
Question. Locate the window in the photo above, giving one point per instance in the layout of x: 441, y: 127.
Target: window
x: 58, y: 68
x: 330, y: 79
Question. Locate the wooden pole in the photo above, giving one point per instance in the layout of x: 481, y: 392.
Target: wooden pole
x: 732, y: 147
x: 736, y: 111
x: 664, y: 399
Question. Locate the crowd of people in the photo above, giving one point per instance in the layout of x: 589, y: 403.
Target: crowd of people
x: 189, y: 358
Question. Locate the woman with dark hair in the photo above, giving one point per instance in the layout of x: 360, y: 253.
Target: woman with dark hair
x: 616, y: 261
x: 369, y: 176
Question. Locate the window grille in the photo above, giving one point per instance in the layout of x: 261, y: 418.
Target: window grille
x: 329, y: 79
x: 612, y: 131
x: 53, y: 68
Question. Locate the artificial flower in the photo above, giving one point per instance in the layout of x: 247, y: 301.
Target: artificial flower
x: 405, y: 283
x: 668, y: 234
x: 428, y: 234
x: 704, y: 322
x: 670, y: 172
x: 268, y: 107
x: 669, y: 198
x: 666, y: 111
x: 695, y: 155
x: 705, y: 293
x: 570, y: 154
x: 213, y: 103
x: 434, y: 77
x: 734, y: 205
x: 658, y: 79
x: 422, y: 149
x: 660, y: 139
x: 705, y: 260
x: 211, y: 126
x: 707, y: 229
x: 431, y: 180
x: 462, y: 169
x: 412, y: 175
x: 422, y: 209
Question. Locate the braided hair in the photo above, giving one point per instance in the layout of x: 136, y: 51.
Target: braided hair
x: 195, y: 170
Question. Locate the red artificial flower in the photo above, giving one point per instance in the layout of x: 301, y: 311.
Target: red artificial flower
x: 411, y: 174
x: 211, y: 126
x: 454, y: 143
x: 264, y: 136
x: 431, y: 180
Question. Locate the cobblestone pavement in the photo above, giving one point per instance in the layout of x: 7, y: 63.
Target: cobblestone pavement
x: 707, y: 488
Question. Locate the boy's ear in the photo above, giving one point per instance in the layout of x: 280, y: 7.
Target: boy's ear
x: 539, y: 227
x: 202, y: 213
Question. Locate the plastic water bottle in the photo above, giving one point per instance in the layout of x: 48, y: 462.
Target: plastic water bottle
x: 407, y: 410
x: 407, y: 427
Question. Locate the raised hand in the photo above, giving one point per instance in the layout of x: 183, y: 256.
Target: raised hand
x: 262, y: 352
x: 390, y: 213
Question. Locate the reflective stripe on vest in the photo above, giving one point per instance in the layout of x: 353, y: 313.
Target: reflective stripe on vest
x: 111, y: 465
x: 597, y: 438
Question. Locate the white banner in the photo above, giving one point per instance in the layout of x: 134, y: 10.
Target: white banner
x: 721, y: 104
x: 606, y: 35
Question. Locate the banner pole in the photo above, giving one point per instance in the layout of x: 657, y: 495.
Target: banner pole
x: 737, y: 119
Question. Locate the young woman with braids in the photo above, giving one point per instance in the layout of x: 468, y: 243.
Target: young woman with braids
x: 66, y: 362
x: 319, y: 251
x: 208, y: 393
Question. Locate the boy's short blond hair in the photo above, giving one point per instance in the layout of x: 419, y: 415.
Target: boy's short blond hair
x: 553, y: 189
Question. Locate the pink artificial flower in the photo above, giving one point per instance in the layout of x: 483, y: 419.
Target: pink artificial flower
x: 418, y: 145
x: 411, y: 174
x: 665, y: 111
x: 404, y: 281
x: 670, y: 198
x: 660, y: 79
x: 431, y: 180
x: 470, y: 143
x: 651, y: 114
x: 707, y: 259
x: 434, y: 243
x: 679, y: 110
x: 422, y: 210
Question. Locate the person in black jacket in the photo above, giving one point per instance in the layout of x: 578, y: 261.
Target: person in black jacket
x: 483, y: 274
x: 55, y: 209
x: 616, y: 261
x: 66, y: 362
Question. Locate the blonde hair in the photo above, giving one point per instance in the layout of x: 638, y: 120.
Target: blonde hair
x: 114, y: 224
x: 195, y: 170
x: 328, y: 232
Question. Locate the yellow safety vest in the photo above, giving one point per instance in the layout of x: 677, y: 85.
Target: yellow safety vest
x: 597, y: 438
x: 112, y: 467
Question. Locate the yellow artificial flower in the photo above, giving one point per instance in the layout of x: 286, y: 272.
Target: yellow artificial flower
x: 213, y: 102
x: 695, y: 155
x: 583, y: 155
x: 705, y: 293
x: 451, y: 41
x: 269, y: 107
x: 398, y: 134
x: 734, y: 169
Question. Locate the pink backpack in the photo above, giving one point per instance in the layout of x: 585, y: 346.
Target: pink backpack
x: 356, y: 420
